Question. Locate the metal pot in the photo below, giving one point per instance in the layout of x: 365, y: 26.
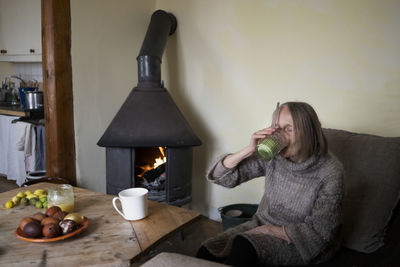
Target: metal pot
x: 22, y: 91
x: 33, y: 100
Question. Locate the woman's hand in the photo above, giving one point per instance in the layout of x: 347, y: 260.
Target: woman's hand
x: 258, y: 136
x: 272, y: 230
x: 233, y: 159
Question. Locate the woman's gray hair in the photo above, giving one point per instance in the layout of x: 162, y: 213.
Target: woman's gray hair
x: 308, y: 130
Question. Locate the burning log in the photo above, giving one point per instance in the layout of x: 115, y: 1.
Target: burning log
x: 153, y: 174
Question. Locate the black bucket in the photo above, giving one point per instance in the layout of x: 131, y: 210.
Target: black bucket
x: 235, y: 214
x: 35, y: 175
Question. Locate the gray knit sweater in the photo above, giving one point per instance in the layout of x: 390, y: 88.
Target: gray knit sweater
x: 304, y: 198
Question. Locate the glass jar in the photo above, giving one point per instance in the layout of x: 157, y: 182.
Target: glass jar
x: 272, y: 145
x: 14, y: 94
x: 61, y: 196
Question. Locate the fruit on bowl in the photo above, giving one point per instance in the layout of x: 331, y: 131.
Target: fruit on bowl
x: 76, y: 217
x: 38, y: 216
x: 67, y: 226
x: 25, y: 221
x: 48, y: 220
x: 60, y: 215
x: 33, y: 229
x: 51, y: 224
x: 52, y: 210
x: 51, y: 230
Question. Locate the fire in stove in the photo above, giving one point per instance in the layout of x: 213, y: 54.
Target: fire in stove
x: 150, y: 168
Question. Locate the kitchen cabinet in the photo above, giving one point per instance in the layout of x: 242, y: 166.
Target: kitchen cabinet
x: 20, y: 31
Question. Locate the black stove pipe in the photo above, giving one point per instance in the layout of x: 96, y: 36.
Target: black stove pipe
x: 162, y: 24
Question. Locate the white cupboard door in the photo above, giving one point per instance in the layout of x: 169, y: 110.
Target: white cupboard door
x: 20, y: 30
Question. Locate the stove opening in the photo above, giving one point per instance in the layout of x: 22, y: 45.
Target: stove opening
x: 150, y: 170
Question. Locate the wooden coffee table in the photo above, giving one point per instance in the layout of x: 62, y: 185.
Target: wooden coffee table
x: 108, y: 240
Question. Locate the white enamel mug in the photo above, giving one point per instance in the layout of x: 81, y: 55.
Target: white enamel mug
x: 133, y: 203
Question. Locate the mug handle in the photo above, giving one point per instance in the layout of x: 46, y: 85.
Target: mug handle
x: 115, y: 206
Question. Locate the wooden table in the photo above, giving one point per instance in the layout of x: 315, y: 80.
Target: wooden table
x: 108, y: 240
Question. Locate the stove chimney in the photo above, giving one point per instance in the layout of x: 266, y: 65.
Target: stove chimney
x: 162, y: 25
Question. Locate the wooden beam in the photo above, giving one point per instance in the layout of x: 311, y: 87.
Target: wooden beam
x: 57, y: 86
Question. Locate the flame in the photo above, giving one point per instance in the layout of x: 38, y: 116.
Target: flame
x: 160, y: 160
x: 145, y: 169
x: 157, y: 162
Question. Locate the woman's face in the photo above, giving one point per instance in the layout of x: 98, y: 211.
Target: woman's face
x: 285, y: 123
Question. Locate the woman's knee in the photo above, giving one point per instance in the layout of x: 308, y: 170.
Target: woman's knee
x: 204, y: 254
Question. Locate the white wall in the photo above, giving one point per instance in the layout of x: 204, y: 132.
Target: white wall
x: 106, y: 38
x: 229, y: 63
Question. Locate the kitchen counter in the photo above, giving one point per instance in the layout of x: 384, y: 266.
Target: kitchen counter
x: 7, y: 109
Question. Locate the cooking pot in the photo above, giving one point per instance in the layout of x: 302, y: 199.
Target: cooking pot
x: 22, y: 91
x: 33, y: 100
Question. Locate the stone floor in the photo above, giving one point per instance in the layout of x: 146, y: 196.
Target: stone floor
x: 186, y: 242
x: 6, y: 185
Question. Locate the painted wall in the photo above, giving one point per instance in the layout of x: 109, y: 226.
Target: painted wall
x: 6, y: 68
x: 106, y: 38
x: 229, y: 63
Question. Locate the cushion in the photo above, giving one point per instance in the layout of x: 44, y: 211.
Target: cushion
x: 372, y: 185
x: 168, y: 259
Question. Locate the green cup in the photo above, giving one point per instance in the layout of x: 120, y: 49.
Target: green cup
x: 271, y: 146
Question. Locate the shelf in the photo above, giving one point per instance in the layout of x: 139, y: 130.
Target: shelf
x: 13, y: 112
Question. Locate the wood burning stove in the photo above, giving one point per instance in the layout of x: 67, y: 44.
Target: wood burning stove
x: 147, y: 121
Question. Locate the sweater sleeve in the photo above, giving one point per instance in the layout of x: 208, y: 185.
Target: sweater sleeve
x: 247, y: 169
x: 317, y: 231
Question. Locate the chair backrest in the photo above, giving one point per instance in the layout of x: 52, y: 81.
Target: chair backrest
x: 46, y: 180
x: 372, y: 185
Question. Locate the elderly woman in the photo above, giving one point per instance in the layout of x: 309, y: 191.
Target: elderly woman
x: 297, y: 221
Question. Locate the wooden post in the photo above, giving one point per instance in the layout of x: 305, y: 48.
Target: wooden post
x: 57, y: 84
